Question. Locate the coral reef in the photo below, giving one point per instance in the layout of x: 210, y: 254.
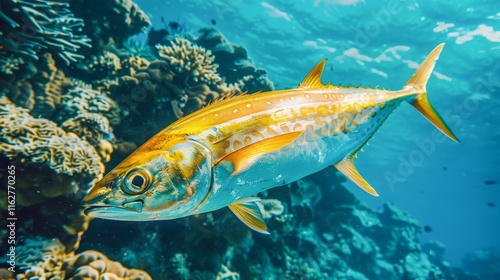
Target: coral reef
x: 483, y: 263
x: 190, y: 61
x: 235, y: 65
x: 39, y: 88
x: 47, y: 259
x: 60, y: 125
x: 332, y: 237
x: 40, y: 146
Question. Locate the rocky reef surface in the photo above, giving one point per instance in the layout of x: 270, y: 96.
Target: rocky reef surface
x: 78, y: 93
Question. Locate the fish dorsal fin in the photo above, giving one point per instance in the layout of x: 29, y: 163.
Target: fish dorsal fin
x: 245, y: 157
x: 346, y: 167
x: 313, y: 79
x: 248, y: 211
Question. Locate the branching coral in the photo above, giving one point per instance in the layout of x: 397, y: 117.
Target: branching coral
x: 190, y: 61
x: 28, y: 26
x: 107, y: 63
x: 40, y: 142
x: 8, y: 65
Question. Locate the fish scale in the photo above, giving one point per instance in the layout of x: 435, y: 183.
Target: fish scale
x: 226, y: 153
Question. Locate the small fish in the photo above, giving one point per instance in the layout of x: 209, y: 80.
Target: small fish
x: 213, y: 22
x: 174, y: 25
x: 224, y: 154
x: 427, y: 229
x: 445, y: 168
x: 490, y: 182
x: 491, y: 204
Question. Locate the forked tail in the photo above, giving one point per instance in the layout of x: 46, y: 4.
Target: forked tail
x: 417, y: 84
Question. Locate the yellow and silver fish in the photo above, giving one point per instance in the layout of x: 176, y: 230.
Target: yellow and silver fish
x: 227, y: 152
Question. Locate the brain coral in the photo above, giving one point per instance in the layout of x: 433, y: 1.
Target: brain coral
x: 83, y: 99
x: 37, y: 88
x: 39, y: 144
x: 46, y: 259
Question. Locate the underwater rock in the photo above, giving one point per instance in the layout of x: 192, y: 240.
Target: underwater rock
x: 235, y: 66
x: 111, y: 23
x: 484, y: 263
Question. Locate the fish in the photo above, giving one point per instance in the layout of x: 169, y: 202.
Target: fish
x: 224, y: 154
x: 490, y: 182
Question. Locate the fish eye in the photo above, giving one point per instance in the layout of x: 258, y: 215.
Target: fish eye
x: 137, y: 181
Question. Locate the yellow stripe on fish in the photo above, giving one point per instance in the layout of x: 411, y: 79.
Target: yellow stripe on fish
x: 227, y: 152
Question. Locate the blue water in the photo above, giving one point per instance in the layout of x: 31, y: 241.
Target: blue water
x: 377, y: 43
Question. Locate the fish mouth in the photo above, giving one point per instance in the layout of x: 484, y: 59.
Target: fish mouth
x: 127, y: 211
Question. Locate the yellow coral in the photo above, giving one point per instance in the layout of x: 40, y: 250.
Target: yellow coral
x: 186, y: 57
x: 106, y: 62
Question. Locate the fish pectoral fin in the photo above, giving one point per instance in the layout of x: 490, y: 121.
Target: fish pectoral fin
x: 248, y: 211
x: 346, y: 167
x: 243, y: 158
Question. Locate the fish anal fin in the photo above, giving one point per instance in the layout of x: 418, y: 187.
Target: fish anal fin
x: 245, y: 157
x: 346, y: 167
x: 248, y: 211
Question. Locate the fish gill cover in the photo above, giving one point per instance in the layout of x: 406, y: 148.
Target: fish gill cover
x: 79, y: 93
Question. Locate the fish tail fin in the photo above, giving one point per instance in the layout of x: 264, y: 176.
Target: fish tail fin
x: 416, y: 85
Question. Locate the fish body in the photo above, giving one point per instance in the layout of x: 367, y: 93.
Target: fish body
x: 226, y: 153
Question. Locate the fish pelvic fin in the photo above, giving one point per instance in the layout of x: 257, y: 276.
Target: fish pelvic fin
x: 346, y: 167
x: 248, y: 211
x: 417, y: 84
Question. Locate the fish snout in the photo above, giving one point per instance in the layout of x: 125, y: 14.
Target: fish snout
x: 97, y: 196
